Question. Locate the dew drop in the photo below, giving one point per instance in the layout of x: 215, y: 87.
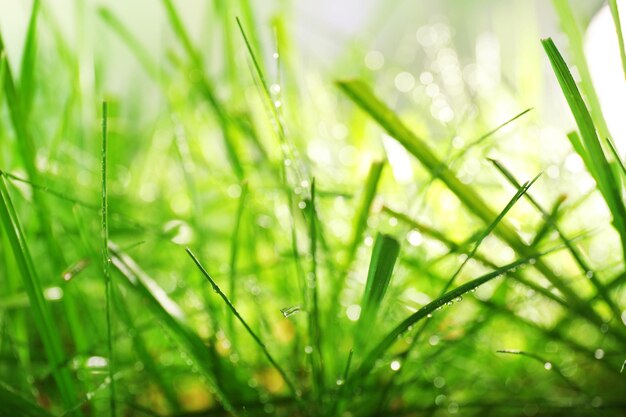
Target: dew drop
x: 599, y: 354
x: 308, y: 350
x: 395, y: 365
x: 547, y: 365
x: 290, y: 311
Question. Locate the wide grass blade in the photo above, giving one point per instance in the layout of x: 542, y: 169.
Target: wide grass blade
x: 384, y: 255
x: 43, y: 318
x: 589, y: 148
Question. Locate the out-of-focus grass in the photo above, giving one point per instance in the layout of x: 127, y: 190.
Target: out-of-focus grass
x: 287, y: 184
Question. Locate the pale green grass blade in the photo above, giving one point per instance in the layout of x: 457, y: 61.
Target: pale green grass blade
x: 618, y: 31
x: 130, y: 41
x: 106, y: 261
x: 207, y: 89
x: 571, y: 27
x: 42, y: 315
x: 28, y: 68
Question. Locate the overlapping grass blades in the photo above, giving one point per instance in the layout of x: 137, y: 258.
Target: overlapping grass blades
x: 362, y: 95
x: 589, y: 147
x: 42, y: 316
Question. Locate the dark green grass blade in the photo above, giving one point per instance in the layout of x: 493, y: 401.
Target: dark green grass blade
x: 251, y: 332
x: 618, y: 31
x: 28, y: 69
x: 106, y: 261
x: 382, y: 262
x: 13, y: 404
x: 362, y: 95
x: 42, y: 315
x: 590, y: 144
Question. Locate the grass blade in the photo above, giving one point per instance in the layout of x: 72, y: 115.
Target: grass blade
x: 106, y: 260
x: 384, y: 255
x: 380, y: 349
x: 618, y: 31
x: 251, y: 332
x: 42, y: 315
x: 590, y: 146
x: 570, y: 26
x: 27, y: 74
x: 170, y: 315
x: 13, y: 404
x: 362, y: 95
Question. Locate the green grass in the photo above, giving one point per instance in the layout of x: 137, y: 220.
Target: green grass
x: 220, y: 227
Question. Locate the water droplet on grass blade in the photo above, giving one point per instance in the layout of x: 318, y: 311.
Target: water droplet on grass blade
x: 395, y: 365
x: 548, y: 366
x: 599, y: 354
x: 290, y: 311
